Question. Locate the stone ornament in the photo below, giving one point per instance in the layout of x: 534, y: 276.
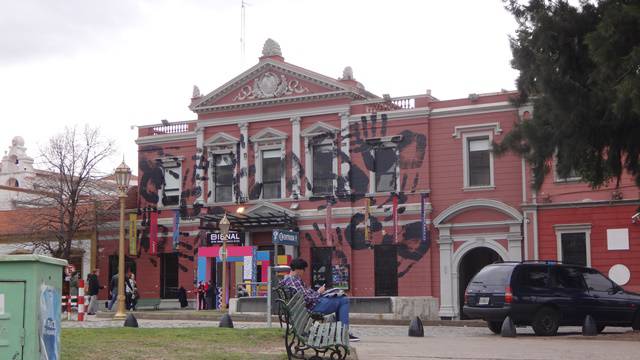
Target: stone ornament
x: 347, y: 73
x: 270, y: 85
x: 271, y: 48
x: 196, y: 92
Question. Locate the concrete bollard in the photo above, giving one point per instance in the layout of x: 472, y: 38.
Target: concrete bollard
x: 226, y: 321
x: 508, y: 328
x: 589, y: 327
x: 131, y: 321
x: 415, y: 328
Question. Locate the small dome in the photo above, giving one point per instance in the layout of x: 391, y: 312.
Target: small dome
x: 17, y: 141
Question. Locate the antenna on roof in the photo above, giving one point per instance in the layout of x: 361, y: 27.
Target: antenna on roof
x: 243, y: 32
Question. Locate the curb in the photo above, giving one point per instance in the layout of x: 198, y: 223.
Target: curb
x: 207, y: 315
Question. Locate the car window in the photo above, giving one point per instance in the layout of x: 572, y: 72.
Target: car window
x: 566, y: 278
x: 533, y: 276
x: 596, y: 281
x: 493, y: 275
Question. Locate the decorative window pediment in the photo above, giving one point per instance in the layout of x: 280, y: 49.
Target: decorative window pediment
x: 319, y: 128
x: 221, y: 139
x: 265, y: 208
x: 269, y: 134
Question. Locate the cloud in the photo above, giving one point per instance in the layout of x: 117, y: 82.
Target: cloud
x: 42, y: 28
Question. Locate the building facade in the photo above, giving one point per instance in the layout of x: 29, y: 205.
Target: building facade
x: 387, y: 196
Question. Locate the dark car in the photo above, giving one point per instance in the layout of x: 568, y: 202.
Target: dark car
x: 546, y: 295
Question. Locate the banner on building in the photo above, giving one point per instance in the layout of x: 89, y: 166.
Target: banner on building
x: 176, y: 229
x: 423, y: 218
x: 153, y: 233
x: 328, y: 225
x: 233, y: 238
x: 395, y: 218
x: 133, y: 235
x: 366, y: 218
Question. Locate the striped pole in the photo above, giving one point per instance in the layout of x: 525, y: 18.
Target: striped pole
x: 80, y: 300
x: 69, y: 307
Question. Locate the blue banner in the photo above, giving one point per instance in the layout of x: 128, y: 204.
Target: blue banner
x: 176, y: 229
x: 423, y: 218
x: 285, y: 237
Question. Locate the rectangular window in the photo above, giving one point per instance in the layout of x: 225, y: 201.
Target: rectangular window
x: 171, y: 189
x: 534, y: 276
x: 479, y: 162
x: 566, y: 278
x: 385, y: 168
x: 574, y: 248
x: 323, y: 169
x: 223, y: 177
x: 271, y: 174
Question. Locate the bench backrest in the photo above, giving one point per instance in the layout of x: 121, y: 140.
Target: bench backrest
x: 297, y: 316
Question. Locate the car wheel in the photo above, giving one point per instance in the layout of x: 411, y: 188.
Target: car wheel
x: 546, y: 322
x: 635, y: 325
x: 495, y: 326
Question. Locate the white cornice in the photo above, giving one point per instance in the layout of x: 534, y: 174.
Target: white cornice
x: 472, y: 109
x: 274, y: 101
x: 272, y: 116
x: 153, y: 139
x: 396, y: 114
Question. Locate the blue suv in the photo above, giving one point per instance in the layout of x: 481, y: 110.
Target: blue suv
x: 546, y: 295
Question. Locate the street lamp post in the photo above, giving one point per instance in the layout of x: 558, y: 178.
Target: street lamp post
x: 123, y: 176
x: 224, y: 231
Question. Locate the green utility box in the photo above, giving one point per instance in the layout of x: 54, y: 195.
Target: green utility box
x: 30, y: 295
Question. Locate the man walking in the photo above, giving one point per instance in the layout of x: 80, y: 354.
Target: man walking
x: 314, y: 300
x: 113, y: 285
x: 93, y: 287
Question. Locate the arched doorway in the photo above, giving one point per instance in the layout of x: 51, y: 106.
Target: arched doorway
x: 470, y: 264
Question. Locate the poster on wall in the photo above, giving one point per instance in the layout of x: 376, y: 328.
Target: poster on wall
x: 340, y: 276
x: 49, y: 323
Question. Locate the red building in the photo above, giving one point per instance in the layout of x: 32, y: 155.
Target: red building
x: 396, y: 197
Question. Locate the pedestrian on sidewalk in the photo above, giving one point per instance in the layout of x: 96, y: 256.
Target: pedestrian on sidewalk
x: 318, y: 301
x: 93, y: 287
x: 131, y: 291
x: 113, y: 285
x: 202, y: 301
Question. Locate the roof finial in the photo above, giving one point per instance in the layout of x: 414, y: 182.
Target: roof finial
x: 271, y: 48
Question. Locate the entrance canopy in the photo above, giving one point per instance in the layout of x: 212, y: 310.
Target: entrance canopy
x: 252, y: 221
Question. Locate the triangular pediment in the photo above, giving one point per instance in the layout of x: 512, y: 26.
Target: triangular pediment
x: 265, y: 208
x: 221, y: 139
x: 268, y: 134
x: 319, y: 128
x: 272, y: 82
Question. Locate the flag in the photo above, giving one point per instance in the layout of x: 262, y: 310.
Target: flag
x: 176, y: 229
x: 395, y: 218
x: 327, y: 224
x: 133, y: 235
x: 366, y: 218
x: 153, y: 233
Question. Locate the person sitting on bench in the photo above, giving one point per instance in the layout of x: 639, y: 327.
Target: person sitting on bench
x: 314, y: 300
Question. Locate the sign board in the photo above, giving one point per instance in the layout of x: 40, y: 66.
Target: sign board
x: 233, y: 238
x: 285, y: 237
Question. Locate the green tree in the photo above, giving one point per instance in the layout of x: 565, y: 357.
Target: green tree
x: 580, y: 69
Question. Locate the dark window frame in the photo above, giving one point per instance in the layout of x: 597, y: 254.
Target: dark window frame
x: 218, y: 187
x: 271, y: 182
x: 478, y: 174
x: 322, y: 178
x: 393, y: 170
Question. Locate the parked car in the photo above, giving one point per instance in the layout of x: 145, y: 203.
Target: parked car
x: 546, y: 294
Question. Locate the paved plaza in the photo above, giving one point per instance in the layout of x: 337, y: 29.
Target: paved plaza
x: 447, y: 342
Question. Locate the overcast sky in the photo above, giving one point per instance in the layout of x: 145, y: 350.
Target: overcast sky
x: 117, y: 64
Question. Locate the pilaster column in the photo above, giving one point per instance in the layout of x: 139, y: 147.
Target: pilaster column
x: 345, y: 164
x: 244, y: 168
x: 514, y: 241
x: 201, y: 155
x: 296, y: 162
x: 446, y: 289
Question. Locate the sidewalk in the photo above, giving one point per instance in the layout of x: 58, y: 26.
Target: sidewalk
x: 494, y: 347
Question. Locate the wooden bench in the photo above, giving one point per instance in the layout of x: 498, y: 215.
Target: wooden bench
x: 305, y: 336
x: 154, y: 303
